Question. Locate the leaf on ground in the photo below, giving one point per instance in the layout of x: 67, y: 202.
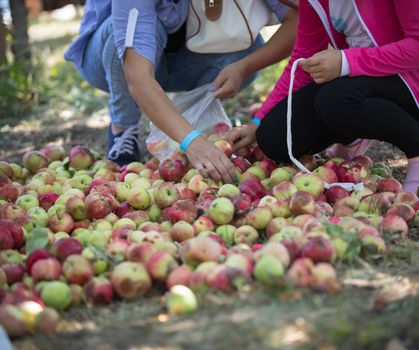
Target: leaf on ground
x: 37, y: 239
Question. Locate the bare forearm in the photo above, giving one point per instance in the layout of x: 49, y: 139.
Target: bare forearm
x: 276, y: 49
x: 152, y: 99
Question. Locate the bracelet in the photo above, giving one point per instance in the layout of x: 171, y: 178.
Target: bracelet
x: 188, y: 139
x: 256, y: 121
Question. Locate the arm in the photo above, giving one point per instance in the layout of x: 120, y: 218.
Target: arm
x: 138, y: 56
x: 230, y: 79
x: 397, y: 57
x: 311, y: 38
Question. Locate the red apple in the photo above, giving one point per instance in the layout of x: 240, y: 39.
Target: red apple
x: 181, y: 210
x: 199, y: 249
x: 140, y: 252
x: 181, y: 231
x: 225, y: 147
x: 34, y: 256
x: 14, y: 272
x: 302, y: 202
x: 77, y: 269
x: 46, y: 270
x: 172, y: 170
x: 179, y: 275
x: 66, y: 247
x: 336, y: 192
x: 160, y: 265
x: 61, y: 221
x: 318, y: 249
x: 394, y: 225
x: 98, y: 291
x: 80, y: 157
x: 253, y: 188
x: 389, y: 185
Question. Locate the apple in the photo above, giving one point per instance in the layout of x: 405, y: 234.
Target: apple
x: 80, y: 157
x: 140, y: 252
x: 172, y: 170
x: 245, y: 234
x: 98, y: 291
x: 99, y: 205
x: 197, y: 183
x: 27, y: 201
x: 221, y: 211
x: 203, y: 223
x: 373, y: 245
x: 46, y: 321
x: 309, y: 183
x: 241, y: 163
x: 13, y: 321
x: 282, y: 174
x: 376, y: 203
x: 53, y: 152
x: 182, y: 210
x: 283, y: 190
x: 9, y: 193
x: 302, y: 202
x: 179, y: 275
x: 66, y: 247
x: 159, y: 265
x: 181, y: 300
x: 39, y: 215
x: 166, y: 195
x: 226, y: 232
x: 61, y: 221
x: 12, y: 212
x: 56, y: 294
x: 389, y: 185
x: 336, y: 192
x: 326, y: 174
x: 199, y: 249
x: 275, y: 249
x: 345, y: 206
x: 228, y: 191
x: 318, y: 249
x: 48, y: 269
x: 77, y: 269
x: 259, y: 217
x: 275, y: 226
x: 130, y: 280
x: 225, y: 147
x: 323, y: 274
x: 403, y: 210
x: 300, y: 272
x: 10, y: 256
x: 182, y: 231
x: 409, y: 198
x: 139, y: 198
x: 34, y: 256
x: 11, y: 229
x: 252, y: 188
x: 394, y: 226
x: 14, y: 272
x: 269, y: 270
x: 34, y: 160
x: 47, y: 200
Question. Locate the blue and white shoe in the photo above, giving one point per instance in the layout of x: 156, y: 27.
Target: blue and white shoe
x: 124, y: 147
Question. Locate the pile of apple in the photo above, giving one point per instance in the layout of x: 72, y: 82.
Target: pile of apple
x: 77, y: 229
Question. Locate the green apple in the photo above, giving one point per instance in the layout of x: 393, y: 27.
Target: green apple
x: 27, y: 201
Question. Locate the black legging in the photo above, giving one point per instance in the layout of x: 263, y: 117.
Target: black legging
x: 341, y: 111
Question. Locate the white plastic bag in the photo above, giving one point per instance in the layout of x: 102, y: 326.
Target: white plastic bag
x: 200, y: 108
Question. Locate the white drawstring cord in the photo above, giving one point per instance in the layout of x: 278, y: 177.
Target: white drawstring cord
x: 346, y: 185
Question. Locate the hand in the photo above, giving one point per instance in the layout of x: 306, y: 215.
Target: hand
x: 324, y: 66
x: 210, y: 161
x: 229, y: 80
x: 242, y: 136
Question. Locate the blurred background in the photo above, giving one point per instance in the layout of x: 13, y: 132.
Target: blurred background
x: 43, y: 99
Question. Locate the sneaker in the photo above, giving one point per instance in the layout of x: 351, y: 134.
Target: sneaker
x: 357, y: 148
x: 124, y: 147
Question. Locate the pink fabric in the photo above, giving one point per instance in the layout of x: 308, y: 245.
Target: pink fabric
x: 394, y: 25
x: 412, y: 177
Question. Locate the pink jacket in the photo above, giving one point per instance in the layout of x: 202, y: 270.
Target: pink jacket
x: 393, y: 26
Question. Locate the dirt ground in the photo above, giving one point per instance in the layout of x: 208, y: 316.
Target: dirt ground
x: 377, y: 309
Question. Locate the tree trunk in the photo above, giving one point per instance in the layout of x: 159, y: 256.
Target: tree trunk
x: 20, y: 44
x: 3, y: 44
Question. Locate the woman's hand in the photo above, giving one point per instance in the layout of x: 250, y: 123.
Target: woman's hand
x: 229, y: 80
x: 211, y: 161
x: 242, y: 136
x: 324, y: 66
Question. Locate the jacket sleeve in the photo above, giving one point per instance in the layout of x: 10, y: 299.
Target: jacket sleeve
x: 135, y: 25
x: 393, y: 58
x: 311, y: 38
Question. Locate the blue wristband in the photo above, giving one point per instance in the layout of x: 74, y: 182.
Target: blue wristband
x: 188, y: 139
x: 256, y: 121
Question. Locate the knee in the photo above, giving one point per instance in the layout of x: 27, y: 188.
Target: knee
x: 334, y: 103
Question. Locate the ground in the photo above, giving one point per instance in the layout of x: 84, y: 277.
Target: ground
x: 377, y: 309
